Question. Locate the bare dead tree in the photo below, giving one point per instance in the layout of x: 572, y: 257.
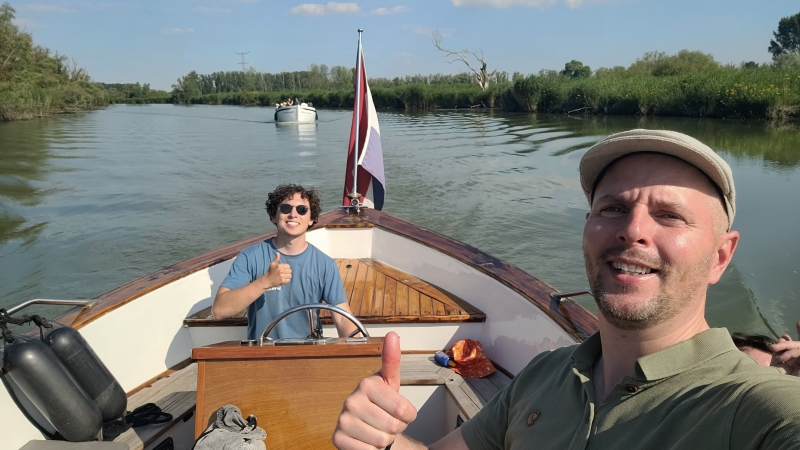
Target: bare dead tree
x: 481, y: 75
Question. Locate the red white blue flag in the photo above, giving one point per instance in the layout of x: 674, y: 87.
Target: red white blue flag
x: 371, y: 182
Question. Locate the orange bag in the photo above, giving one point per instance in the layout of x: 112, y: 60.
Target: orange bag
x: 470, y: 359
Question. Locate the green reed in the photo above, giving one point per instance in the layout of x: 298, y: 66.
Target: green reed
x: 729, y: 93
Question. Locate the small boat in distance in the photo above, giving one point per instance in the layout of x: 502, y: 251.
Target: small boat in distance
x: 302, y: 113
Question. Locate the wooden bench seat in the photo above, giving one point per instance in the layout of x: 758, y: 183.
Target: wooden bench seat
x: 469, y: 394
x: 175, y: 394
x: 378, y: 293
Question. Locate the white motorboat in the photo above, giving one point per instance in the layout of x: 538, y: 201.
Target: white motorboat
x: 157, y: 338
x: 301, y: 113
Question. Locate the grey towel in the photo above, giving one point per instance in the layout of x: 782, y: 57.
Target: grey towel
x: 232, y: 432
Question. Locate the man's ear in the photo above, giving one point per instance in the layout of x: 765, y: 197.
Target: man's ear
x: 723, y: 256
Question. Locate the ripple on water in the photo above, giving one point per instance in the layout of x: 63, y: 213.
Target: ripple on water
x: 91, y: 201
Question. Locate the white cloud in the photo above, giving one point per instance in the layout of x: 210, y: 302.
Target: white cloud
x: 385, y: 11
x: 317, y: 9
x: 428, y: 31
x: 179, y: 30
x: 335, y: 7
x: 209, y: 11
x: 45, y: 8
x: 310, y: 9
x: 528, y: 3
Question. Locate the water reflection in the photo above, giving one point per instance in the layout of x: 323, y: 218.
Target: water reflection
x: 24, y: 164
x: 774, y: 144
x: 91, y: 201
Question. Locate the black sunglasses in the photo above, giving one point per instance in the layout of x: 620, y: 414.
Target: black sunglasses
x: 286, y: 208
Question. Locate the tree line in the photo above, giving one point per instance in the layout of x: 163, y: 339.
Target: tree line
x: 35, y: 81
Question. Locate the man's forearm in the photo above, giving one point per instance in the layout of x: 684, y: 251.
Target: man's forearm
x: 343, y: 325
x: 228, y: 303
x: 403, y: 442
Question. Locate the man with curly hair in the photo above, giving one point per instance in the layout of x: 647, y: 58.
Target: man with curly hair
x: 283, y: 272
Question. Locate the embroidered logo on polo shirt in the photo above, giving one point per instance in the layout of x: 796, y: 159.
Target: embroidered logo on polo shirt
x: 533, y: 417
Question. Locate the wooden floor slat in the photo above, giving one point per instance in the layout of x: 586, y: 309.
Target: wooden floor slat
x: 389, y: 297
x: 385, y: 293
x: 378, y: 293
x: 357, y: 297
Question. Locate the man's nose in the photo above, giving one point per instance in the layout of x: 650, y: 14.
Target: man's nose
x: 638, y: 227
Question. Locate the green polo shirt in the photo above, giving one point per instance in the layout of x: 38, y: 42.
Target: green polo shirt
x: 702, y: 393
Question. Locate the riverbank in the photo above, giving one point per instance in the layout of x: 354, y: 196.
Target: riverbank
x: 30, y: 102
x: 764, y: 94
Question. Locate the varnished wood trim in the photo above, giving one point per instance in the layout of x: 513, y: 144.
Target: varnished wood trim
x: 128, y: 292
x: 181, y: 365
x: 237, y: 322
x: 573, y: 318
x: 200, y: 421
x: 234, y: 350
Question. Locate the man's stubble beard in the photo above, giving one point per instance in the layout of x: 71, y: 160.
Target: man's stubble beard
x: 649, y: 312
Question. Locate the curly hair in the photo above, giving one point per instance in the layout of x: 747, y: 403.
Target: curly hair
x: 287, y: 191
x: 756, y: 341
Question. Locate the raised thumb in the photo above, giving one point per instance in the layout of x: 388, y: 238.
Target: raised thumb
x: 390, y: 361
x: 277, y: 258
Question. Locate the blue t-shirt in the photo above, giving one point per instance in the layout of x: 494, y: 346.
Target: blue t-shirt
x: 315, y: 278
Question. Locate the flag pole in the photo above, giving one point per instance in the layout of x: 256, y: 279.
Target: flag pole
x: 357, y: 111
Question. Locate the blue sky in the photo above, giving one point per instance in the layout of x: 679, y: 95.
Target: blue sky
x: 157, y: 41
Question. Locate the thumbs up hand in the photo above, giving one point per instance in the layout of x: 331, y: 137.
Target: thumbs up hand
x: 375, y: 413
x: 278, y: 274
x: 786, y: 354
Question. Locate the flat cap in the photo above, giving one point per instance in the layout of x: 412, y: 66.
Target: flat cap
x: 679, y: 145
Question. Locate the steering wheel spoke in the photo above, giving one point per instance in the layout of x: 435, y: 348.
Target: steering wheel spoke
x: 318, y: 306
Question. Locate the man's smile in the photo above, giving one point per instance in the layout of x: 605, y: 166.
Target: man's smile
x: 631, y: 268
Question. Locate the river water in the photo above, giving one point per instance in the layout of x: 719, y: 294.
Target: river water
x: 94, y: 200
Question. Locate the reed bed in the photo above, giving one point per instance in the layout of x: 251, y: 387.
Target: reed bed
x: 734, y: 93
x: 743, y: 94
x: 29, y: 102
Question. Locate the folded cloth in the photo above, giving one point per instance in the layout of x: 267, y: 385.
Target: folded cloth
x: 470, y: 359
x: 232, y: 432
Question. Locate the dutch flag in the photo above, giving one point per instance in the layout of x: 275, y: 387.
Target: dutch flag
x: 371, y: 182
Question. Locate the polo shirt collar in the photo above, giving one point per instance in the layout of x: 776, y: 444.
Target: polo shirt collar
x: 685, y: 355
x: 665, y: 363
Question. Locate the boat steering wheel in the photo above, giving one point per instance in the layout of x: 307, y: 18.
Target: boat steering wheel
x: 360, y: 328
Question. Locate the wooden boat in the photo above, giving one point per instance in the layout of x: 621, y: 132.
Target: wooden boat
x: 301, y: 113
x: 156, y: 336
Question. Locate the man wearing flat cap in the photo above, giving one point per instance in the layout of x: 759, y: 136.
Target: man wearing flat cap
x: 656, y: 376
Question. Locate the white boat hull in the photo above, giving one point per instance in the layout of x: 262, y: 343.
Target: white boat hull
x: 295, y: 114
x: 144, y: 335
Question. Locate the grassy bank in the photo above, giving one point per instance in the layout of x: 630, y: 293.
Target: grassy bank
x: 411, y: 97
x: 738, y: 94
x: 28, y: 101
x: 734, y: 93
x: 34, y: 82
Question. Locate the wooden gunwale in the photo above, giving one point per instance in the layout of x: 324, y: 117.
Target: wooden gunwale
x: 572, y: 317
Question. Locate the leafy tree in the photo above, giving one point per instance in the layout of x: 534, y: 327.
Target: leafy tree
x: 684, y: 62
x: 750, y: 65
x: 187, y: 88
x: 576, y: 69
x: 787, y: 37
x: 787, y: 61
x: 6, y: 14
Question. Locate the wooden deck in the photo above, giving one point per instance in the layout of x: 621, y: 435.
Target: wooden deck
x: 378, y: 293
